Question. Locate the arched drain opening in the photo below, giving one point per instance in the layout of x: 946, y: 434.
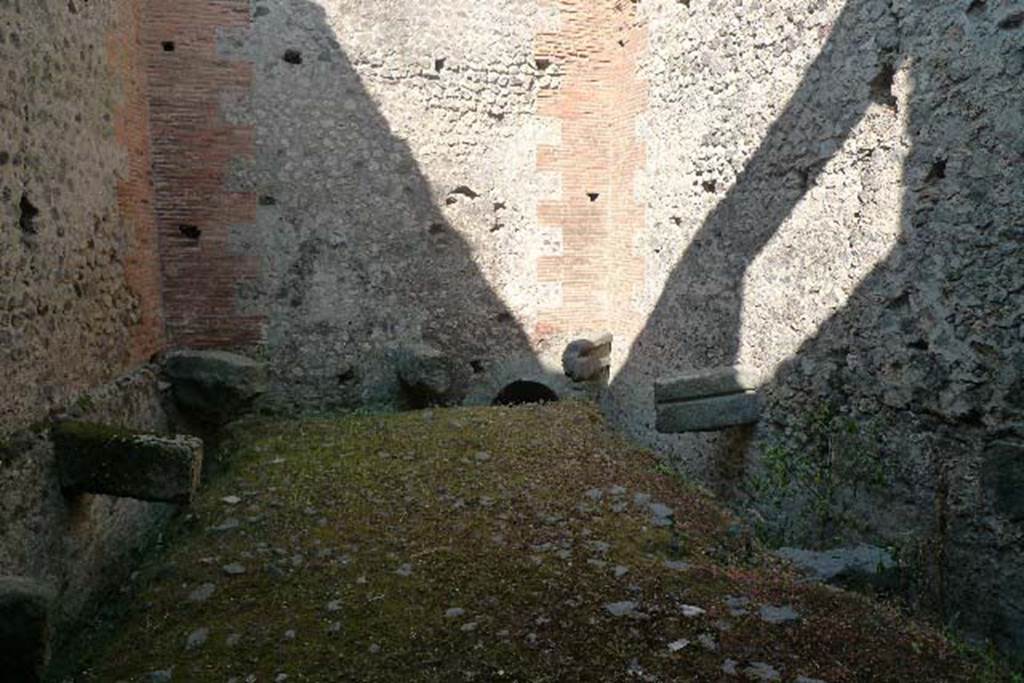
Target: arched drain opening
x: 522, y: 392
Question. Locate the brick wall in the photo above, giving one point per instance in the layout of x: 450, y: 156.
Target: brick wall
x: 626, y: 213
x: 199, y: 218
x: 135, y: 189
x: 597, y: 103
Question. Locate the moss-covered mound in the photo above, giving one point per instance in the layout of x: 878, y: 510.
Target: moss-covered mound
x: 518, y: 544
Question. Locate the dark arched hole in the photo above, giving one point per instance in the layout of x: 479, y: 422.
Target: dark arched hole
x: 521, y: 392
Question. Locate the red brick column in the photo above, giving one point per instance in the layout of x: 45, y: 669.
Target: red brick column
x: 135, y: 189
x: 193, y: 146
x: 626, y: 214
x: 597, y: 104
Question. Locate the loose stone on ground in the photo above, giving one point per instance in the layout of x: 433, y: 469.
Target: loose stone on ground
x: 779, y: 614
x: 620, y: 609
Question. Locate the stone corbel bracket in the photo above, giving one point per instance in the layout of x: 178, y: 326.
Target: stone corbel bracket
x: 708, y: 400
x: 98, y: 459
x: 587, y: 359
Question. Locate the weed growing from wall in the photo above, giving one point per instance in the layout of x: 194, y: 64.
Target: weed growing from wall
x: 810, y: 485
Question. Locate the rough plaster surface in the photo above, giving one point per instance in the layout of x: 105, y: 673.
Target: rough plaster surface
x: 78, y: 545
x: 395, y: 170
x: 860, y: 243
x: 74, y: 287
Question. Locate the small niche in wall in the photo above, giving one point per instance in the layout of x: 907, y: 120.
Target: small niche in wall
x: 462, y: 191
x: 804, y: 178
x: 882, y: 87
x: 1015, y: 20
x: 542, y: 64
x: 937, y: 172
x: 439, y: 64
x: 293, y: 56
x: 28, y: 213
x: 168, y: 46
x: 346, y: 374
x: 191, y: 232
x: 593, y: 196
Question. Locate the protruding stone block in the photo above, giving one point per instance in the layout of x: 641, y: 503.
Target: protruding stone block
x: 426, y: 374
x: 214, y: 386
x: 25, y: 610
x: 708, y: 415
x: 93, y: 458
x: 707, y: 383
x: 708, y: 401
x: 586, y: 359
x: 854, y: 567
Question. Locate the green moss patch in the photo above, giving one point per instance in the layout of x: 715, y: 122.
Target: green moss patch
x: 520, y: 544
x: 95, y: 458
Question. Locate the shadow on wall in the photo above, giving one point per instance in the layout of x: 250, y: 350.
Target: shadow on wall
x: 357, y: 260
x: 929, y: 344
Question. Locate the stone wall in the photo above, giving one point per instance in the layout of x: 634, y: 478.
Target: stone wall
x: 395, y: 175
x: 79, y: 281
x: 80, y: 300
x: 329, y: 193
x: 825, y: 191
x: 822, y: 191
x: 830, y: 192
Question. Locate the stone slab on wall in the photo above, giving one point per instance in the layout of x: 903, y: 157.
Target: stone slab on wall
x: 79, y: 545
x: 79, y: 289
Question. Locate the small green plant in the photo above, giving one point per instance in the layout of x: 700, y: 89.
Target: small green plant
x: 817, y: 475
x: 85, y: 403
x: 992, y: 666
x: 663, y: 468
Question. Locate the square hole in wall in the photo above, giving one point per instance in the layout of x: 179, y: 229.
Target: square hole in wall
x: 168, y: 45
